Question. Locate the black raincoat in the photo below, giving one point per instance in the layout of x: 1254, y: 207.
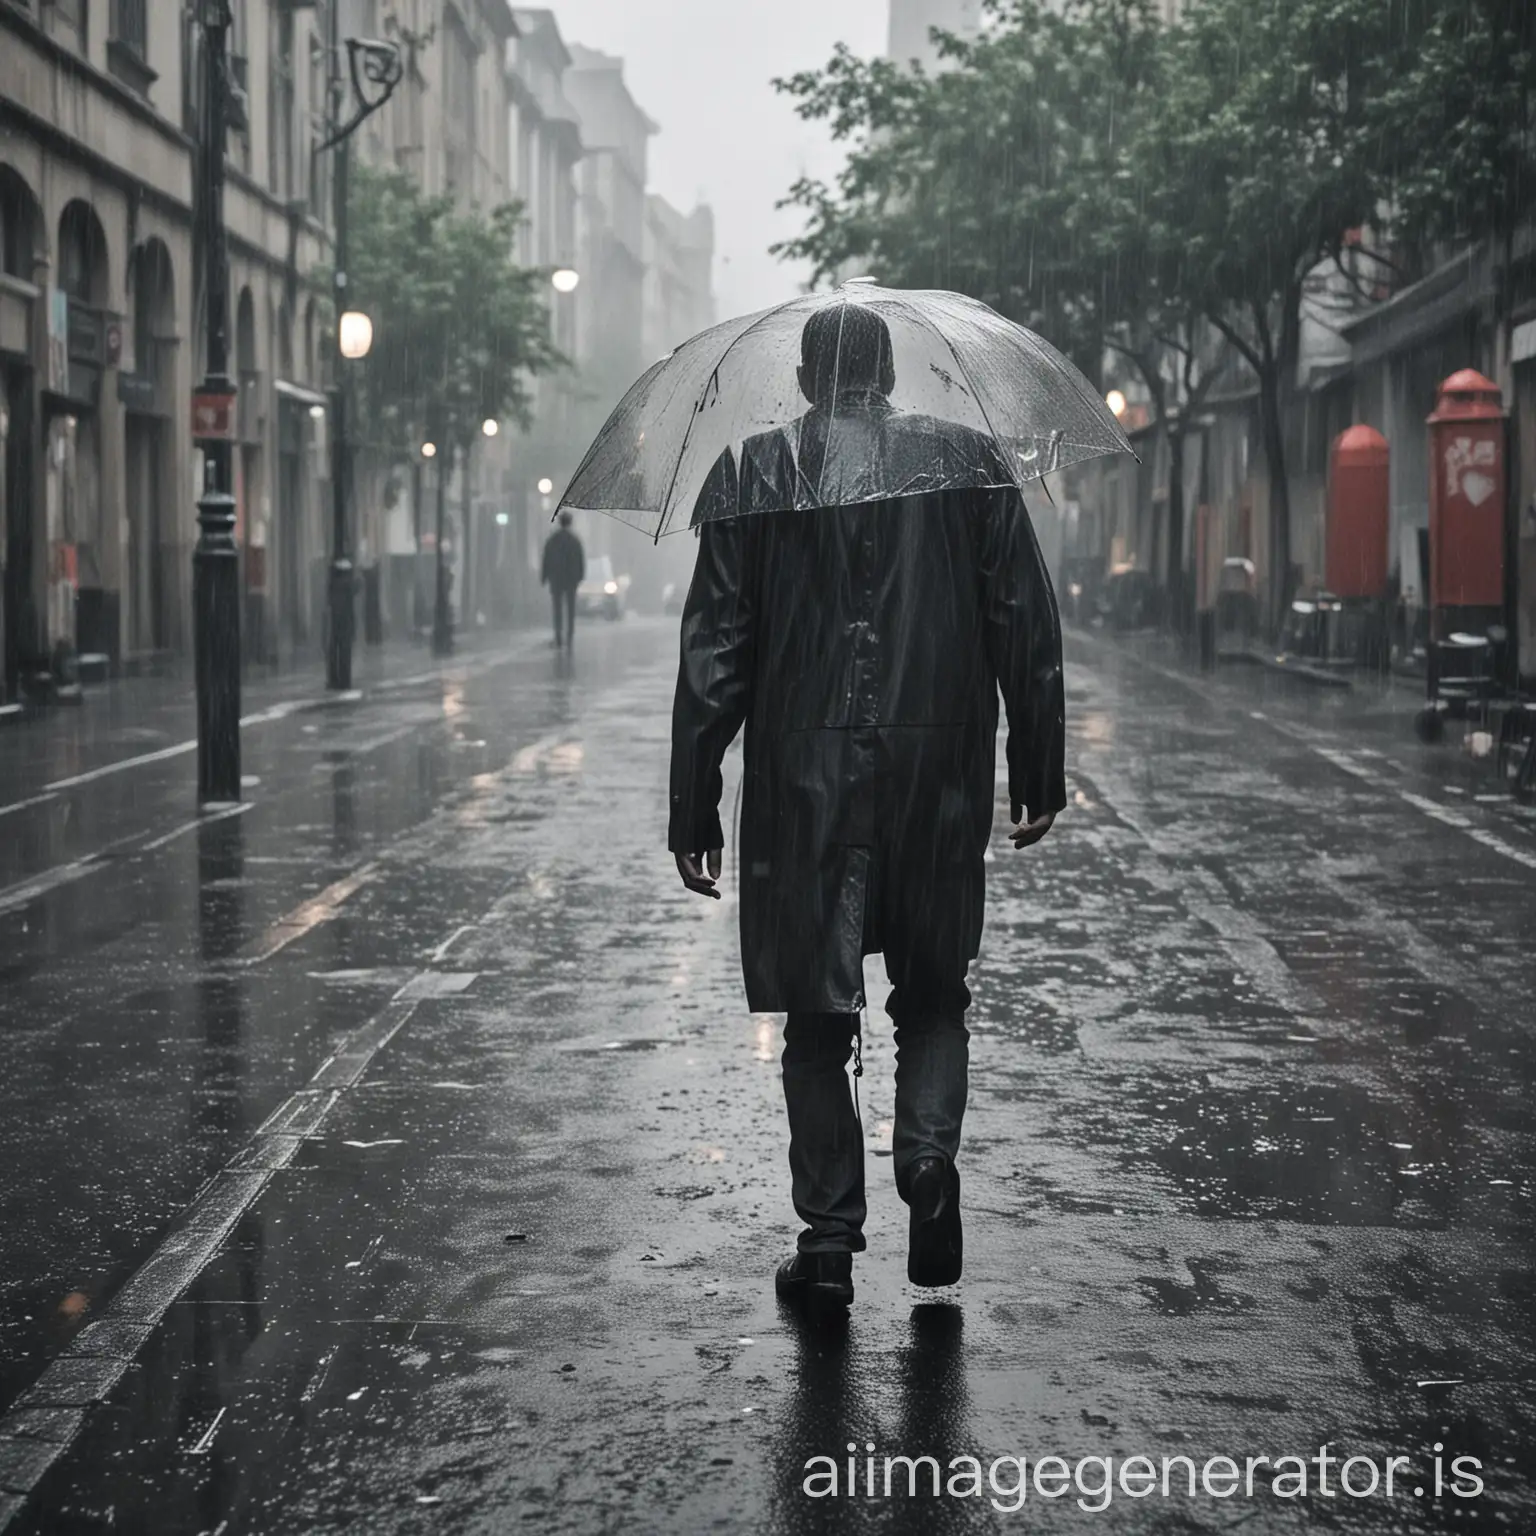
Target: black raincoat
x: 863, y: 648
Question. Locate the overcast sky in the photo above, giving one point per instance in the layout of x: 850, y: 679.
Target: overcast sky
x: 701, y: 69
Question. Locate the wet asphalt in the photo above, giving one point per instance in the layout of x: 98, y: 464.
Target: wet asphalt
x: 394, y: 1153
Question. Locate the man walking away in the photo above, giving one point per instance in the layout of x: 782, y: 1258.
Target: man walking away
x: 864, y: 648
x: 565, y: 566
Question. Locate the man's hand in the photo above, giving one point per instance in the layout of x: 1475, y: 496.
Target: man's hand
x: 1026, y: 832
x: 691, y: 867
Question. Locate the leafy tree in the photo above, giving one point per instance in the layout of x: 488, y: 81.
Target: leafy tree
x: 1011, y: 177
x: 1111, y: 181
x: 995, y: 177
x: 1257, y: 162
x: 459, y: 327
x: 1455, y: 116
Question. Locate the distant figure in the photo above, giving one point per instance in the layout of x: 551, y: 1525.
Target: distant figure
x: 565, y: 567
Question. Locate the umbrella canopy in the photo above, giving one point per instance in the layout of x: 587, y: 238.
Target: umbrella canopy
x: 838, y: 398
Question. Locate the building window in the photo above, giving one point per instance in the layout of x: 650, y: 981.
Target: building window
x: 316, y: 176
x: 128, y: 44
x: 19, y: 219
x: 82, y: 263
x: 460, y: 97
x: 240, y: 76
x: 130, y: 25
x: 281, y: 109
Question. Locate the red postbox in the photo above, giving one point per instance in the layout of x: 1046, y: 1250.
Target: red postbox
x: 1358, y: 511
x: 1466, y: 494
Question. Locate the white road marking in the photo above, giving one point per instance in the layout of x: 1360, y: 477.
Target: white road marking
x: 307, y: 916
x: 23, y: 805
x: 279, y: 711
x: 441, y: 952
x: 526, y: 759
x: 17, y: 896
x: 122, y: 765
x: 222, y: 814
x: 202, y: 1447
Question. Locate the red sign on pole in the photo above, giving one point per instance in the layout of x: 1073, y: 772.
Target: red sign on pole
x: 213, y: 416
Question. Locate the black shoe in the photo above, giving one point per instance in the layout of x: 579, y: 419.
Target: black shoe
x: 816, y: 1279
x: 934, y: 1243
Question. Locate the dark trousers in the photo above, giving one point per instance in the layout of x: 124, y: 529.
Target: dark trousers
x: 565, y: 609
x: 826, y: 1141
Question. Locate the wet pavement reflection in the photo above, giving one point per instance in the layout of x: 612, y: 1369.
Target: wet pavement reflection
x: 398, y: 1151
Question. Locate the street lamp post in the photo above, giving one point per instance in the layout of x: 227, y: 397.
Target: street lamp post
x: 216, y: 561
x: 375, y: 70
x: 442, y: 620
x: 473, y: 534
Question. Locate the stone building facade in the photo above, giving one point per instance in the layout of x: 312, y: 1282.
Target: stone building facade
x: 101, y: 334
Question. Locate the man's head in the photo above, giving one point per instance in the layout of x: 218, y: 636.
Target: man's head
x: 845, y: 347
x: 565, y: 519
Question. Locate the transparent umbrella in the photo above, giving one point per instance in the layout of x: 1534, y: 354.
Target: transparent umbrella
x: 859, y: 394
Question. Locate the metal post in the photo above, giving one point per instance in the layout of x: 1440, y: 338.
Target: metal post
x: 468, y: 586
x: 442, y: 623
x: 215, y: 562
x: 338, y: 656
x: 418, y: 600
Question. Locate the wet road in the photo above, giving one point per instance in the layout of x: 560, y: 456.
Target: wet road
x: 1249, y: 1165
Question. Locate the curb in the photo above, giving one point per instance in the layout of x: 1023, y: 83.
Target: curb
x: 1319, y: 677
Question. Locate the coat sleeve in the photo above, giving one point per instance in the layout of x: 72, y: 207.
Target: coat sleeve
x: 714, y: 682
x: 1023, y: 640
x: 544, y: 566
x: 580, y: 572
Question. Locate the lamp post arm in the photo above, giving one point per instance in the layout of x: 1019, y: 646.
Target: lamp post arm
x: 372, y: 65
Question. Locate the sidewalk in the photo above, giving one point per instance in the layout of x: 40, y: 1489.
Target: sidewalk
x: 130, y: 716
x: 1364, y: 729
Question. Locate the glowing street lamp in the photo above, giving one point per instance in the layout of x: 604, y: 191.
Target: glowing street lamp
x: 490, y: 426
x: 354, y: 334
x: 429, y: 450
x: 1116, y: 402
x: 565, y: 279
x: 546, y: 485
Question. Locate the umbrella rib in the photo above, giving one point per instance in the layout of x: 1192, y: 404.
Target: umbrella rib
x: 592, y: 449
x: 837, y: 361
x: 714, y: 374
x: 1050, y: 355
x: 965, y: 373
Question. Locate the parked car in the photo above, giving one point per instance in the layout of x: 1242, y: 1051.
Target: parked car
x: 603, y: 592
x: 1129, y: 600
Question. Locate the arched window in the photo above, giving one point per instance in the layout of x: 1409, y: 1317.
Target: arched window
x: 82, y: 254
x: 20, y: 226
x: 284, y: 342
x: 311, y: 360
x: 154, y: 311
x: 245, y: 333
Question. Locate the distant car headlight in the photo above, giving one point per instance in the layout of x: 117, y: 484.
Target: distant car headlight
x: 1074, y: 589
x: 611, y: 588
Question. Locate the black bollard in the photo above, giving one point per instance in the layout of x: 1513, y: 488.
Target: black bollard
x: 216, y: 604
